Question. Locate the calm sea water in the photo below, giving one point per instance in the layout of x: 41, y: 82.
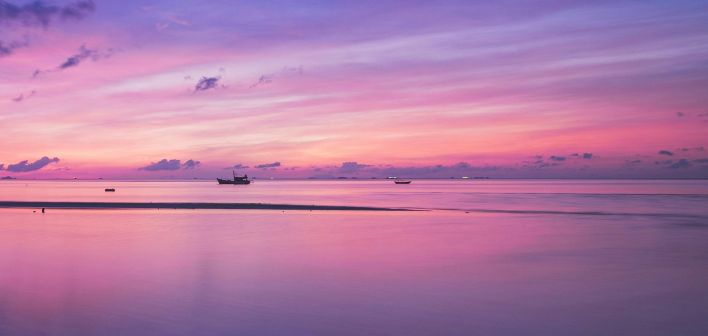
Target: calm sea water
x: 536, y: 257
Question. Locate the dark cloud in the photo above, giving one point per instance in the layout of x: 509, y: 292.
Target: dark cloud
x: 665, y: 152
x: 587, y: 156
x: 206, y: 83
x: 268, y: 165
x: 173, y: 164
x: 539, y: 162
x: 191, y: 164
x: 6, y: 48
x: 701, y: 160
x: 78, y: 10
x: 26, y: 166
x: 163, y: 164
x: 74, y: 60
x: 37, y: 13
x: 680, y: 164
x: 81, y: 55
x: 634, y: 161
x: 238, y: 166
x: 351, y: 167
x: 697, y: 149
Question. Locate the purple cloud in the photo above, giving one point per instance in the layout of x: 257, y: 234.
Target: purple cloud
x: 26, y: 166
x: 268, y: 165
x: 37, y: 13
x: 680, y: 164
x: 6, y: 48
x: 697, y: 149
x: 665, y: 152
x: 173, y: 164
x: 206, y: 83
x: 352, y: 167
x: 79, y: 57
x: 191, y: 164
x: 22, y: 96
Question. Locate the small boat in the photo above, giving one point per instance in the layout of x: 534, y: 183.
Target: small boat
x: 237, y: 180
x: 110, y: 190
x: 402, y: 181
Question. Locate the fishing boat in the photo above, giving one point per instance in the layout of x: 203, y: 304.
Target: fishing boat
x: 402, y: 181
x: 237, y: 180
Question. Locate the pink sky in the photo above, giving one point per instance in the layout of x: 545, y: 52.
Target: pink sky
x: 457, y: 88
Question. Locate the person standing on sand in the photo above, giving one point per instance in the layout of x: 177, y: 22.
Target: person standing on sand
x: 42, y: 210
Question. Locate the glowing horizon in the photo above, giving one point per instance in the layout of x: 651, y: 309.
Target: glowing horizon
x: 102, y: 89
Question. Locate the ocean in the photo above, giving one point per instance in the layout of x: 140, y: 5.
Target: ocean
x: 480, y: 257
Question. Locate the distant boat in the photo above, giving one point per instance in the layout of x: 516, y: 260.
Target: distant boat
x: 402, y: 181
x: 110, y: 190
x: 237, y: 180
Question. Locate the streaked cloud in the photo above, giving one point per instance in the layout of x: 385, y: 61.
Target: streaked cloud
x: 268, y: 165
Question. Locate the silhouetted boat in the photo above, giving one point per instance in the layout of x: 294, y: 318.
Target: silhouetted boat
x: 237, y: 180
x: 402, y: 181
x: 110, y: 190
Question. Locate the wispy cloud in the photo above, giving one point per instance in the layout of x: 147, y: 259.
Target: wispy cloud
x: 665, y: 152
x: 268, y: 78
x: 238, y: 166
x: 23, y: 96
x: 694, y: 149
x: 82, y: 54
x: 7, y: 48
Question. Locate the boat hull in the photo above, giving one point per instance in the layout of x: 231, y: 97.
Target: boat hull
x: 222, y: 181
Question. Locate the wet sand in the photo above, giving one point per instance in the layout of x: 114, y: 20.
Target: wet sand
x: 183, y: 205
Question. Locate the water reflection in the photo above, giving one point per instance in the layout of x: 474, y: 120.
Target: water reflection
x: 302, y: 273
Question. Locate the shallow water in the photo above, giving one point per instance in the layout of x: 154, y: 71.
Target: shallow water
x: 575, y: 257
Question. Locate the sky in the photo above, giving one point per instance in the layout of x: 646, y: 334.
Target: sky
x: 195, y: 89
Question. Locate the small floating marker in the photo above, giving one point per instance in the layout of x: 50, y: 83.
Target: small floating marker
x: 110, y: 190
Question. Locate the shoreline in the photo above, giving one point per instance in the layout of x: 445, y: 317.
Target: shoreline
x: 186, y: 205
